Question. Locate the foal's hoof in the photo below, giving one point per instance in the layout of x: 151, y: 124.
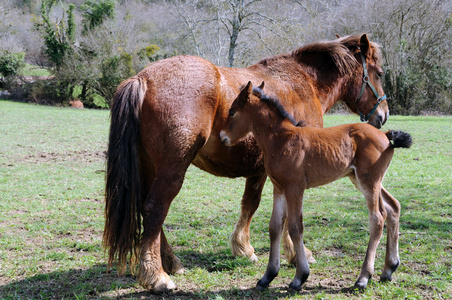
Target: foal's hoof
x: 253, y: 258
x: 359, y: 286
x: 260, y: 286
x: 295, y: 287
x: 387, y: 272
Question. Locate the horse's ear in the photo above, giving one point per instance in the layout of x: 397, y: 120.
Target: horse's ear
x: 262, y: 85
x: 338, y: 36
x: 364, y: 44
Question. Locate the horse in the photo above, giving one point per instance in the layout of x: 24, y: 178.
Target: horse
x: 169, y: 116
x: 299, y: 157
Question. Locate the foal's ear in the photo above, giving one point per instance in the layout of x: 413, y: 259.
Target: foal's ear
x: 262, y: 85
x: 245, y: 92
x: 364, y: 44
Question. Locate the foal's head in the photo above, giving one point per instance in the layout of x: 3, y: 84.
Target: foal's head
x: 245, y: 107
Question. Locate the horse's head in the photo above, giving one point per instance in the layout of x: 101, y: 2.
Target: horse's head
x: 365, y: 94
x: 238, y: 126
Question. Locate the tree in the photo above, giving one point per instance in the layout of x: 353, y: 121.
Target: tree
x: 208, y: 23
x: 58, y: 39
x: 415, y: 38
x: 95, y: 12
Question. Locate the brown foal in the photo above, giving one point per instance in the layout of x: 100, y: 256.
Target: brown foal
x: 297, y: 158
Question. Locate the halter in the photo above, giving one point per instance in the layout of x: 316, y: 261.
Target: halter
x: 366, y: 81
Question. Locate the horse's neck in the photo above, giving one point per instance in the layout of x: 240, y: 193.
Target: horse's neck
x: 328, y: 86
x: 329, y: 96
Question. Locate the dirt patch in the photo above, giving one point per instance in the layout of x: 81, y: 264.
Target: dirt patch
x: 51, y: 157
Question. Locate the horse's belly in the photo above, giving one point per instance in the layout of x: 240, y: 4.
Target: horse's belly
x: 241, y: 160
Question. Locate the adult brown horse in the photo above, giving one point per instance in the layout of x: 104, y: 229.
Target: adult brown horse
x: 298, y: 157
x: 169, y: 116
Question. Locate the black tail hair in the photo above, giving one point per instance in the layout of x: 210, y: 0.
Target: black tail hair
x: 400, y: 139
x: 122, y: 229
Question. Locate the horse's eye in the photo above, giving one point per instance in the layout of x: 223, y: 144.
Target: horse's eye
x: 380, y: 74
x: 231, y: 113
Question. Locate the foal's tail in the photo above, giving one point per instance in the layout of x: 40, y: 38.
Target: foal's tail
x: 400, y: 139
x: 123, y: 191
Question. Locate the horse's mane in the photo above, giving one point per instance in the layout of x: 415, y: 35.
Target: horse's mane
x: 276, y: 104
x: 341, y: 51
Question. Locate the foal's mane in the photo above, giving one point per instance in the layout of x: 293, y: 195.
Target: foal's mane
x: 274, y: 102
x: 341, y: 51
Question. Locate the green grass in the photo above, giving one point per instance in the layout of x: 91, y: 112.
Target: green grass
x: 51, y: 222
x: 33, y: 70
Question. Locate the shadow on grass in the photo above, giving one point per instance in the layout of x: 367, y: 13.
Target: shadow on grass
x: 72, y: 284
x: 96, y: 283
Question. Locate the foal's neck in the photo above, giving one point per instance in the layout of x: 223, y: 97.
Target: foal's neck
x: 268, y: 125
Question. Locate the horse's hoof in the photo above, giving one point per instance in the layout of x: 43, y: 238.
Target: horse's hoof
x: 311, y: 259
x: 180, y: 271
x: 253, y: 258
x: 161, y: 285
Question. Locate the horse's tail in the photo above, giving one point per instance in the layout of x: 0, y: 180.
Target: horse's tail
x: 123, y: 191
x: 399, y: 139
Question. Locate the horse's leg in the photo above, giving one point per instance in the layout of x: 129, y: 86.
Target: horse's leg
x: 240, y: 238
x: 294, y: 200
x: 392, y: 227
x: 275, y: 229
x: 377, y: 216
x: 289, y: 250
x: 170, y: 262
x: 166, y: 185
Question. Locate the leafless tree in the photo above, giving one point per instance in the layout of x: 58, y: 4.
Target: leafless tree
x: 218, y: 26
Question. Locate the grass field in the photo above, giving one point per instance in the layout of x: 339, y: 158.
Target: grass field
x: 52, y: 166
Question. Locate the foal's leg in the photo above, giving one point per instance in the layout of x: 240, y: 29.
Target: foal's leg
x: 377, y: 216
x: 240, y: 238
x: 275, y: 228
x: 392, y: 227
x: 295, y: 227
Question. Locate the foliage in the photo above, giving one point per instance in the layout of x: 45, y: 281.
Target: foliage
x: 52, y: 188
x: 95, y: 12
x: 415, y: 37
x: 11, y: 63
x: 114, y: 70
x: 87, y: 36
x: 58, y: 40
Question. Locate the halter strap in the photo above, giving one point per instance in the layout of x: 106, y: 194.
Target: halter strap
x: 366, y: 81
